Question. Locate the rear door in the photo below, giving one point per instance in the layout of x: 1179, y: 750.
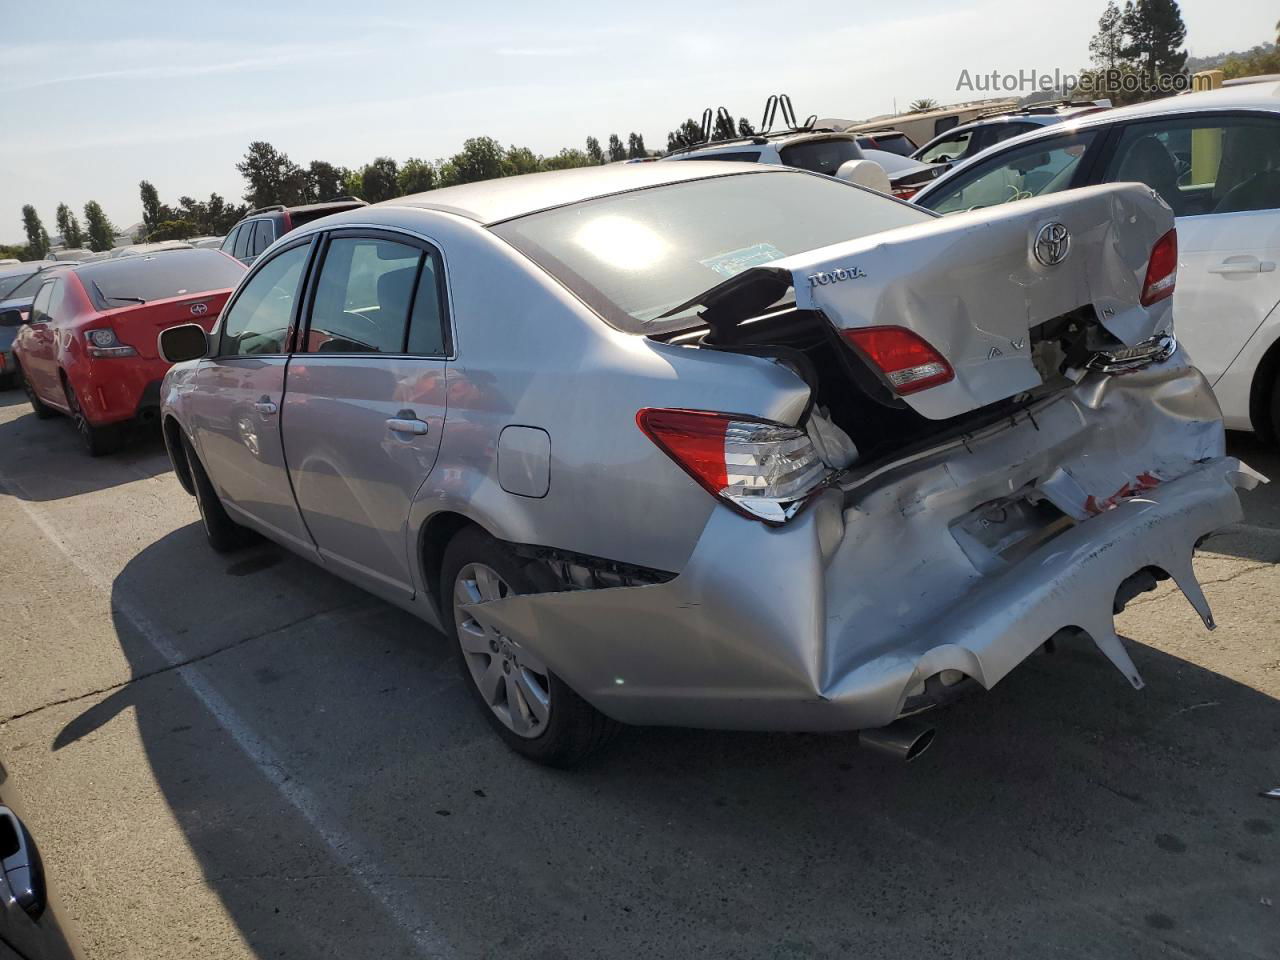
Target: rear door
x: 235, y: 408
x: 365, y: 403
x: 1221, y: 175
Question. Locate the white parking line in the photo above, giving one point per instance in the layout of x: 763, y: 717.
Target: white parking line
x: 402, y: 908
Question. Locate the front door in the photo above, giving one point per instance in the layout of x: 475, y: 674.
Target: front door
x: 235, y: 408
x: 1221, y: 176
x: 365, y: 402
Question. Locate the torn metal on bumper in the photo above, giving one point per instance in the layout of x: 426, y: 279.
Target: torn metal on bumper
x: 833, y: 621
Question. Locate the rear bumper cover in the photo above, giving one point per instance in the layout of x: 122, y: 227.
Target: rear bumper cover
x: 833, y: 621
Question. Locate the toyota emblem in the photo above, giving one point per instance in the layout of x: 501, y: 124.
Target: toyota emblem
x: 199, y: 309
x: 1053, y: 243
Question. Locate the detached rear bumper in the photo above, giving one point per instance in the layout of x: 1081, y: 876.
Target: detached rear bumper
x: 833, y: 621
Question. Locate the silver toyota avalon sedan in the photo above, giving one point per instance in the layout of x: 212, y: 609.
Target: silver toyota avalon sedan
x: 716, y: 445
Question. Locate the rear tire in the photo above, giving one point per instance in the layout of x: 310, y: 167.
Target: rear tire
x: 98, y: 441
x: 38, y: 407
x: 572, y: 729
x: 225, y: 535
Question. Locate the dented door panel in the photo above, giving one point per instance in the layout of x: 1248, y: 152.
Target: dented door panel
x: 836, y: 619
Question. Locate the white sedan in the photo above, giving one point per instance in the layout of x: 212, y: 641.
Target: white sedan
x: 1215, y: 159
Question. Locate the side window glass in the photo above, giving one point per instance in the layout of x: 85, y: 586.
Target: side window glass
x: 264, y: 232
x: 949, y: 149
x: 426, y: 325
x: 258, y: 321
x: 229, y: 242
x: 40, y: 305
x: 1214, y: 165
x: 1007, y: 131
x: 241, y: 250
x: 363, y: 296
x: 1031, y: 170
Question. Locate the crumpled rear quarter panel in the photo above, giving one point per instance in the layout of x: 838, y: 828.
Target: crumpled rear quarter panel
x: 831, y: 621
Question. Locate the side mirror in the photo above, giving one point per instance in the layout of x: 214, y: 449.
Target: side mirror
x: 865, y: 173
x: 12, y: 318
x: 186, y: 341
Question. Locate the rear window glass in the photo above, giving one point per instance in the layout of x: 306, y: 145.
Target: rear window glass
x: 132, y: 280
x: 821, y: 156
x: 11, y: 281
x: 636, y: 256
x: 891, y: 143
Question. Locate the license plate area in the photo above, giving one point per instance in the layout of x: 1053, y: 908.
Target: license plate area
x: 999, y: 533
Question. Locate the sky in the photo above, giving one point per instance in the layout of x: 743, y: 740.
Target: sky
x: 98, y: 96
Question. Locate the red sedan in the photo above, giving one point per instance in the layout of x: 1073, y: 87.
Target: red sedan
x: 89, y: 347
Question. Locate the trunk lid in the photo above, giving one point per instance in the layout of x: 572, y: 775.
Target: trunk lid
x: 139, y: 326
x: 975, y: 285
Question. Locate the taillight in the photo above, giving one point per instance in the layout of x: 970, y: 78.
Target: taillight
x: 905, y: 193
x: 103, y: 342
x: 907, y: 359
x: 763, y: 469
x: 1162, y: 270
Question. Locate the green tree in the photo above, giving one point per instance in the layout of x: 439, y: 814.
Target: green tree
x: 1156, y: 34
x: 378, y: 180
x: 150, y: 205
x: 481, y: 158
x: 1106, y: 49
x: 352, y: 185
x: 635, y: 147
x: 616, y: 150
x: 566, y: 159
x: 415, y: 176
x: 685, y: 135
x: 101, y: 231
x: 324, y: 180
x: 520, y: 160
x: 69, y: 227
x: 921, y: 105
x: 271, y: 175
x: 594, y: 154
x: 179, y: 229
x: 37, y: 237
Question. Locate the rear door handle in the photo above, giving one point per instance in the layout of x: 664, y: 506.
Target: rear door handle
x: 265, y: 406
x: 407, y: 425
x: 1242, y: 264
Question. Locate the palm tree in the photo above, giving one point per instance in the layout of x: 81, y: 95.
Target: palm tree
x: 921, y: 105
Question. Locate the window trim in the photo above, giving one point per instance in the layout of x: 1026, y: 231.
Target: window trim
x: 395, y: 235
x: 304, y: 283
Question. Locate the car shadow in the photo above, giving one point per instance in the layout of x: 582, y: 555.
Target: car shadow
x: 45, y: 459
x: 1257, y: 536
x: 1061, y: 813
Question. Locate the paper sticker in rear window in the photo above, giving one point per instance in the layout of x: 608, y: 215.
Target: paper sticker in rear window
x: 732, y: 263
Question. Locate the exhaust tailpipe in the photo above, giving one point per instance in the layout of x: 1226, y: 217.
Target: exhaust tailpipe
x: 902, y: 739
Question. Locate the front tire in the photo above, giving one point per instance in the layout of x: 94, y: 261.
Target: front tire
x: 534, y: 712
x: 224, y: 534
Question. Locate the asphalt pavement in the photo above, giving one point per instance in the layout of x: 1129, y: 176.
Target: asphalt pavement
x: 245, y: 757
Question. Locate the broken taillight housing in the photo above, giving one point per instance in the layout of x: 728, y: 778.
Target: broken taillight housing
x: 762, y: 469
x: 908, y: 360
x: 1162, y: 270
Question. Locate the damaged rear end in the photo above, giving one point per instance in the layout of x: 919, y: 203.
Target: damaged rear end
x: 1003, y: 444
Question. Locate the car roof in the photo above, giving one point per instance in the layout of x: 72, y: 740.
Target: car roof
x: 492, y: 201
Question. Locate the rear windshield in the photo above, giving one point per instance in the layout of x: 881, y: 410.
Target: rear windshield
x: 133, y: 280
x: 11, y: 281
x: 821, y: 156
x: 635, y: 256
x: 891, y: 143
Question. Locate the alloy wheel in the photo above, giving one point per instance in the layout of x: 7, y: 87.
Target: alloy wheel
x: 513, y: 682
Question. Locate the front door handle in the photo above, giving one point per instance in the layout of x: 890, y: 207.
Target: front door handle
x: 265, y: 406
x: 1242, y: 264
x: 406, y: 425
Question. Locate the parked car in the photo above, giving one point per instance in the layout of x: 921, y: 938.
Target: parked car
x: 893, y: 141
x: 88, y: 348
x: 201, y: 243
x: 711, y: 444
x: 263, y: 226
x: 970, y: 139
x: 31, y: 927
x: 70, y: 255
x: 14, y: 307
x: 1214, y: 157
